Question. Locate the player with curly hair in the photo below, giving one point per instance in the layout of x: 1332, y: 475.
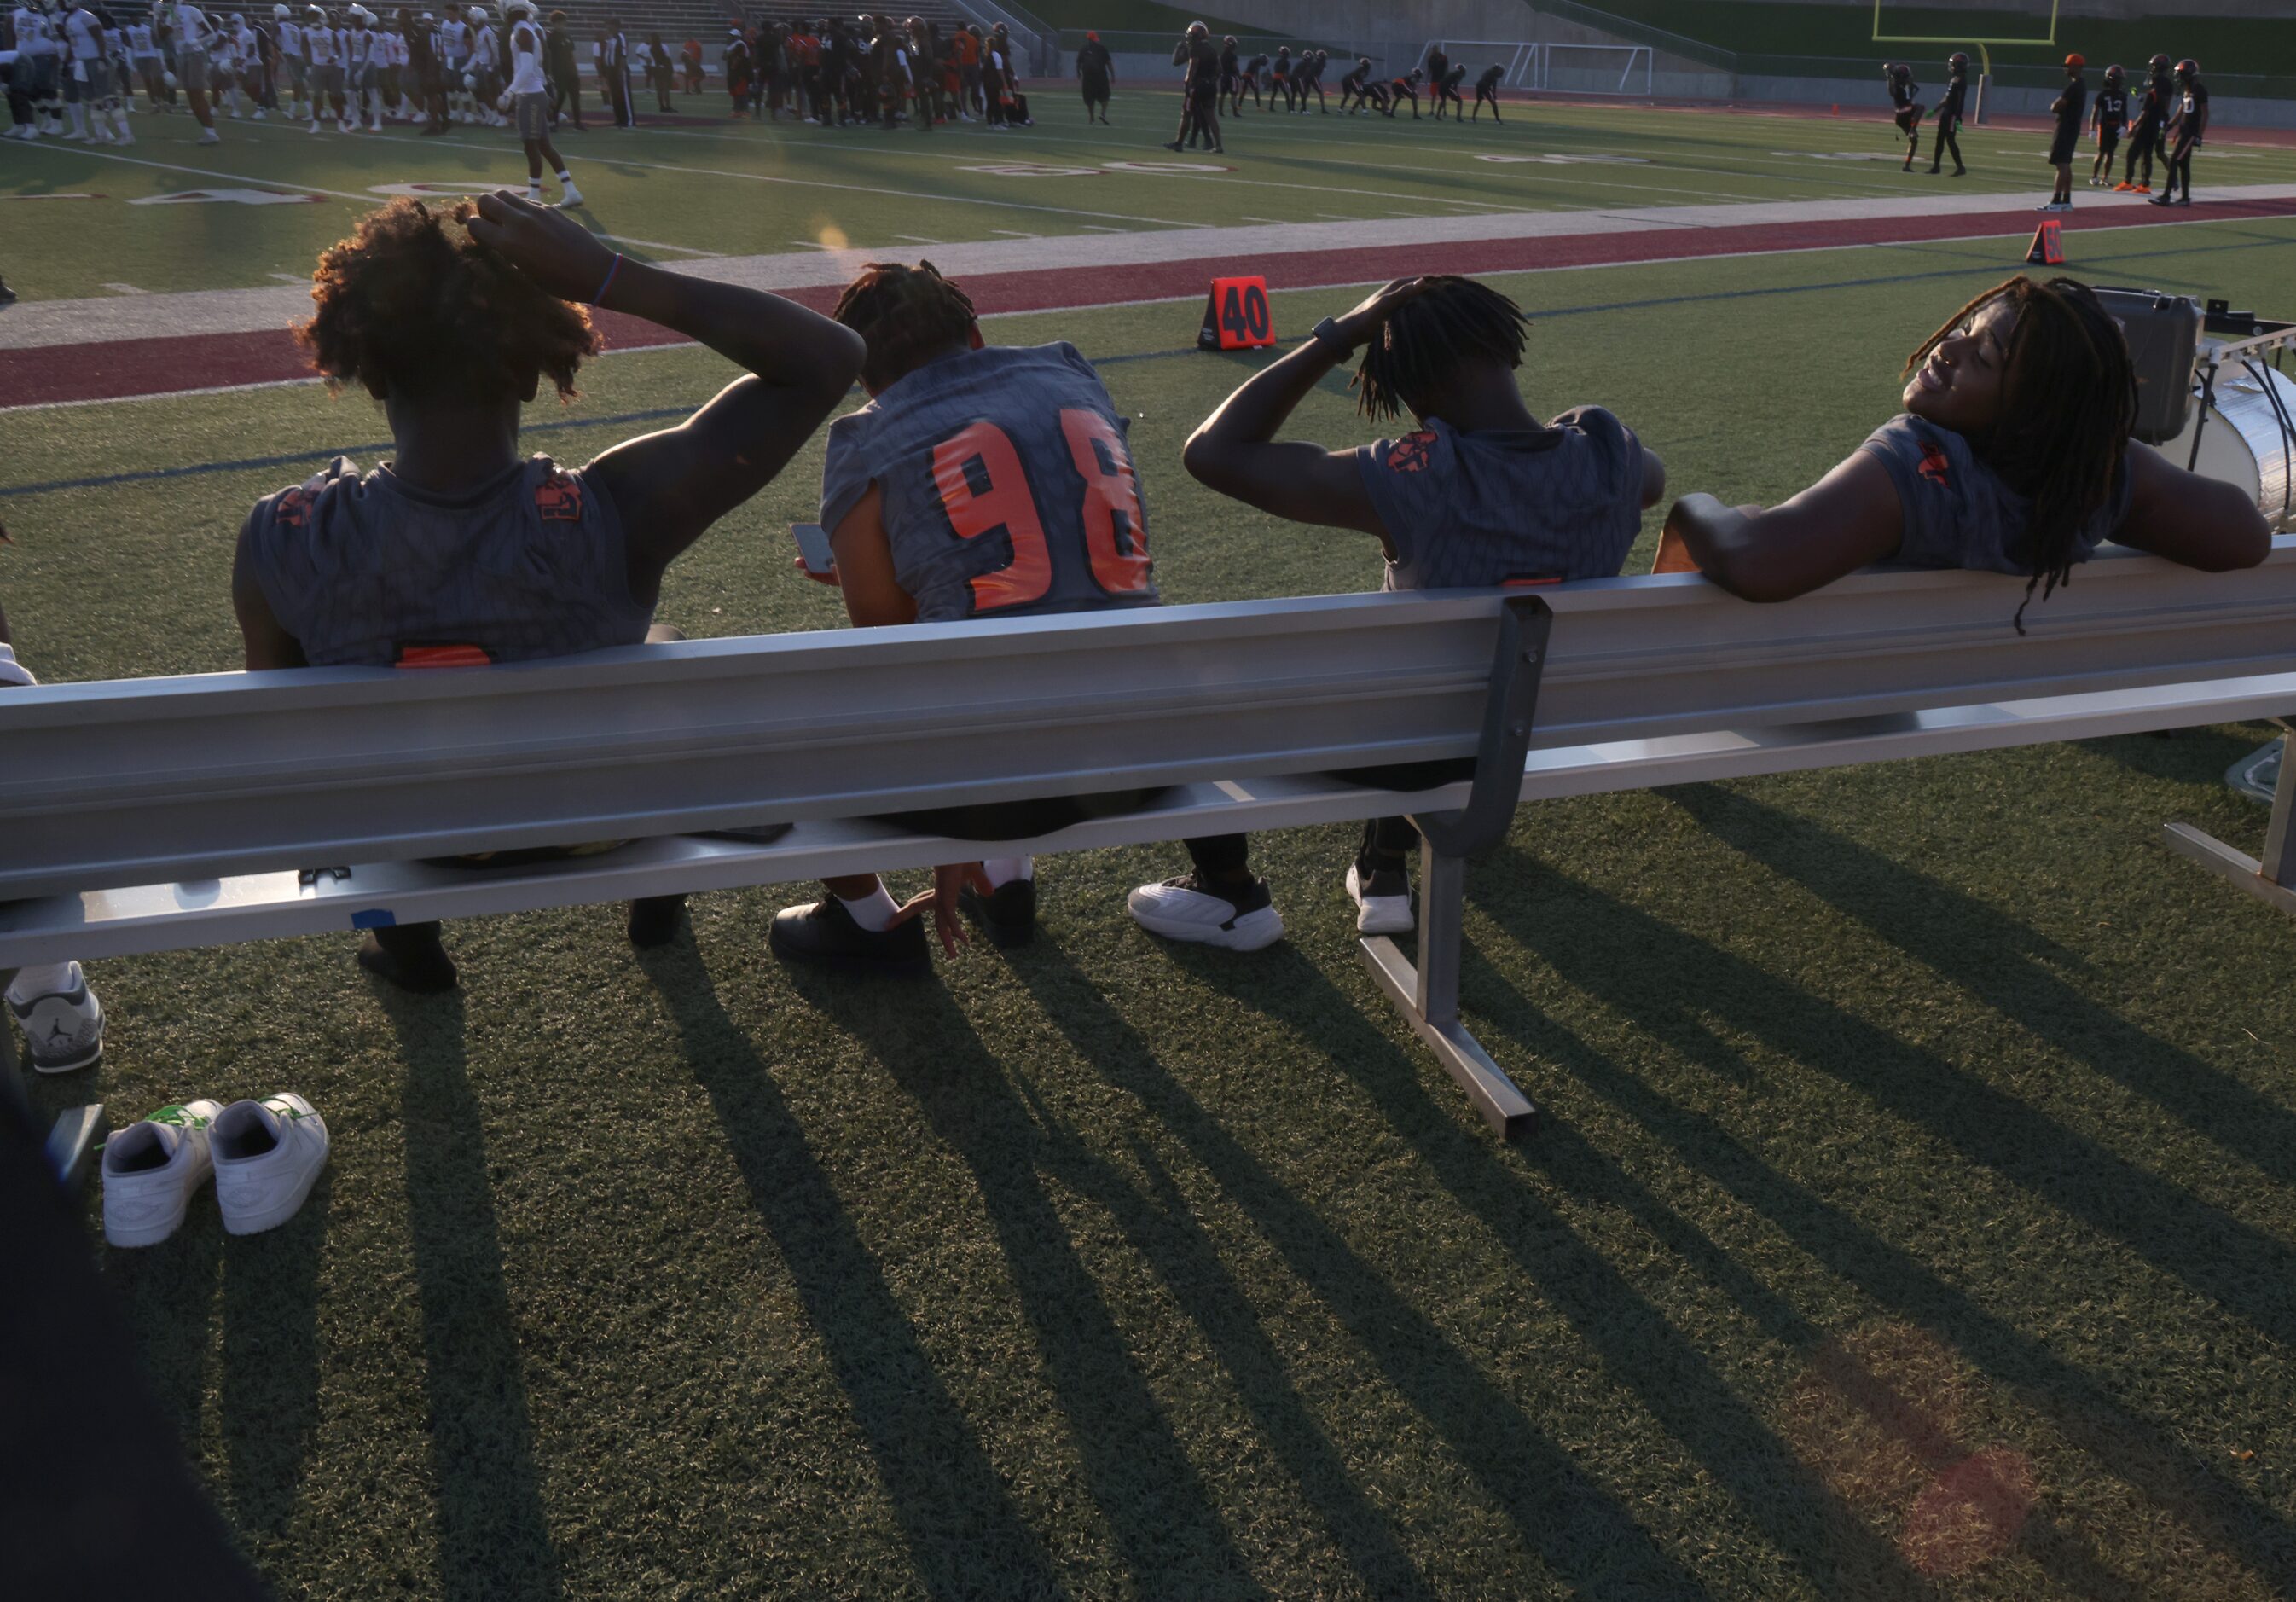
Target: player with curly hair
x: 1479, y: 492
x: 453, y: 320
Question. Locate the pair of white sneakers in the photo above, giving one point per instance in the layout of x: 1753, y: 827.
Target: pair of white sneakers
x: 263, y: 1156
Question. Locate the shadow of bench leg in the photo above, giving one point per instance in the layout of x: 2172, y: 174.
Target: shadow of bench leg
x: 2272, y: 880
x: 78, y: 1133
x: 1428, y: 995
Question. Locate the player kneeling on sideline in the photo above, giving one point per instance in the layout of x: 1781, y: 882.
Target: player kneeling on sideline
x: 61, y: 1020
x: 2013, y: 455
x: 452, y: 321
x: 530, y: 97
x: 1480, y: 493
x: 980, y: 481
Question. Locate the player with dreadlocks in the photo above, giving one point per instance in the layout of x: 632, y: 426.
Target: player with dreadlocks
x: 2188, y: 127
x: 979, y: 481
x: 2012, y: 455
x: 1478, y: 492
x: 1948, y: 114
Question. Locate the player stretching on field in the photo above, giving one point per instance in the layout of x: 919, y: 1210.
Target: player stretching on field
x: 1446, y: 93
x: 1401, y: 89
x: 453, y: 320
x: 1948, y: 114
x: 2108, y: 118
x: 1908, y: 117
x: 1355, y: 86
x: 191, y: 27
x: 2145, y: 138
x: 1487, y: 90
x: 1480, y: 492
x: 979, y: 481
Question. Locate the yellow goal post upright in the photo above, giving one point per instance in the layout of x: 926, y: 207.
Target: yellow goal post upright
x: 1984, y: 51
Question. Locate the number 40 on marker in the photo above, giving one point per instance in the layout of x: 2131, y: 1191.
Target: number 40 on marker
x: 1236, y: 315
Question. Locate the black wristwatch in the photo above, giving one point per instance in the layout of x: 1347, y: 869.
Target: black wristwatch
x: 1327, y: 334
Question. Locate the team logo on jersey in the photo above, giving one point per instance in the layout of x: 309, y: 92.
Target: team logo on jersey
x: 1936, y: 467
x: 294, y: 508
x: 558, y: 498
x: 1411, y: 453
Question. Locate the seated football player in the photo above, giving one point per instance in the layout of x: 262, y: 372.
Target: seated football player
x: 61, y: 1020
x: 2013, y: 455
x: 979, y: 481
x: 453, y: 320
x: 1478, y: 493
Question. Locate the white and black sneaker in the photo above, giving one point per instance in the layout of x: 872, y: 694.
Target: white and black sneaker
x: 267, y: 1155
x: 1182, y: 908
x: 63, y: 1028
x: 1382, y: 898
x: 151, y: 1170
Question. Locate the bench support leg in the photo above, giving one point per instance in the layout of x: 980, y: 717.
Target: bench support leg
x: 2272, y: 880
x: 1427, y: 995
x: 78, y: 1133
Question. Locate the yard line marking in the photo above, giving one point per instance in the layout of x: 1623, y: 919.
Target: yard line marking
x: 367, y: 201
x: 125, y: 289
x: 902, y: 194
x: 919, y: 239
x: 1015, y: 234
x: 813, y: 244
x: 1096, y: 228
x: 291, y: 277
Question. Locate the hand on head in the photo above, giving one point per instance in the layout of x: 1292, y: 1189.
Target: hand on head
x: 560, y: 255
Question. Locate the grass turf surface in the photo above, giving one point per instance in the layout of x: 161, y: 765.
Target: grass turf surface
x: 740, y: 188
x: 1918, y: 1145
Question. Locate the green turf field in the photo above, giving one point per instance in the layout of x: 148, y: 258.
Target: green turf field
x: 674, y: 193
x: 1918, y: 1147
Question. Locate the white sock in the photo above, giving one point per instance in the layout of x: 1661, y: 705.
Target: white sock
x: 874, y: 912
x: 78, y: 118
x: 1003, y: 870
x: 30, y: 982
x: 565, y: 180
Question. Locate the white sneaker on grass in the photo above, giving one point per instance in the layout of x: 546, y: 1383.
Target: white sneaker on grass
x: 63, y: 1028
x: 267, y: 1154
x: 1383, y: 900
x: 1183, y: 909
x: 150, y: 1171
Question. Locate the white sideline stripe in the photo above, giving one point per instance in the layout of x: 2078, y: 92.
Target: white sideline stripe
x: 39, y: 324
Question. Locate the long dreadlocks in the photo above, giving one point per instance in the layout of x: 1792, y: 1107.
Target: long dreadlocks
x: 2068, y: 403
x: 903, y: 315
x: 1426, y: 338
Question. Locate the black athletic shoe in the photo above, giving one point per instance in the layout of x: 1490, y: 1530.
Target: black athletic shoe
x: 2164, y: 200
x: 825, y: 936
x: 1007, y: 914
x: 411, y: 963
x: 654, y: 921
x: 7, y: 295
x: 1172, y: 145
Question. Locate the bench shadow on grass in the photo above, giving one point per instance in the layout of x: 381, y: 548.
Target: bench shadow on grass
x: 964, y: 1533
x: 1166, y: 1526
x: 1670, y: 984
x: 1991, y: 957
x: 271, y: 1362
x: 494, y: 1540
x: 1775, y: 1491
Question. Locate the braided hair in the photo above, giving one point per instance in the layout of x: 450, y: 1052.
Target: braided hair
x: 903, y: 315
x: 1425, y: 339
x: 2068, y: 403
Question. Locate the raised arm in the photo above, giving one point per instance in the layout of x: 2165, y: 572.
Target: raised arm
x: 1235, y: 451
x: 671, y: 486
x: 1847, y: 519
x: 2199, y: 521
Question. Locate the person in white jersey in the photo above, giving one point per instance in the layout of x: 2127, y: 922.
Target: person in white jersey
x: 190, y: 25
x: 487, y: 68
x: 87, y: 74
x: 528, y: 97
x: 363, y: 69
x: 38, y: 66
x: 294, y: 73
x: 247, y: 64
x: 143, y: 56
x: 322, y: 49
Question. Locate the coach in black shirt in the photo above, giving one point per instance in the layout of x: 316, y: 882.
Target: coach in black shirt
x: 2070, y: 107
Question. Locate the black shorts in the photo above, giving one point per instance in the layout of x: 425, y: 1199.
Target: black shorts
x: 2062, y: 148
x: 1096, y: 86
x: 2108, y: 140
x: 1906, y: 117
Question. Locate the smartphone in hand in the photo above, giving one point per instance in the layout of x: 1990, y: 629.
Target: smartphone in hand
x: 813, y: 548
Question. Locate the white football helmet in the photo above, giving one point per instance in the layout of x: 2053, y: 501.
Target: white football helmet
x: 280, y: 13
x: 478, y: 13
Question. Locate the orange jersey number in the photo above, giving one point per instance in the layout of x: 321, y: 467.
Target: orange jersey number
x: 1119, y: 556
x: 1004, y: 504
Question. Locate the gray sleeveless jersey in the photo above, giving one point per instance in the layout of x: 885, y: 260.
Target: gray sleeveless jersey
x: 1466, y: 509
x: 359, y: 569
x: 1008, y: 485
